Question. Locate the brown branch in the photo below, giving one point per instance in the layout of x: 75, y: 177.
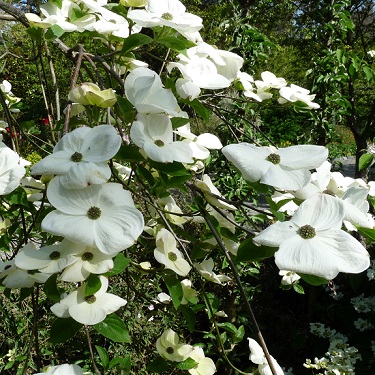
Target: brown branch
x: 18, y: 14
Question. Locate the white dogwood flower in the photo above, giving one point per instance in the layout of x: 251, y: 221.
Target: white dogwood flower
x: 102, y: 216
x: 169, y: 347
x: 313, y: 243
x: 206, y: 267
x: 166, y: 253
x: 257, y: 356
x: 144, y: 89
x: 154, y: 134
x: 64, y: 369
x: 11, y: 171
x: 205, y: 366
x: 170, y: 13
x: 90, y: 309
x: 81, y: 156
x: 284, y: 168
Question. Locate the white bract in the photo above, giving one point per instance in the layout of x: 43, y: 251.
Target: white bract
x: 206, y: 267
x: 64, y: 369
x: 144, y: 89
x: 15, y: 277
x: 10, y: 171
x: 90, y: 309
x: 167, y: 253
x: 170, y: 13
x: 288, y: 277
x: 80, y: 156
x: 209, y: 191
x: 169, y: 347
x: 284, y: 168
x: 154, y: 134
x: 257, y: 356
x: 88, y: 260
x: 313, y: 243
x: 48, y: 259
x: 102, y: 216
x: 201, y: 144
x: 205, y: 366
x: 295, y: 93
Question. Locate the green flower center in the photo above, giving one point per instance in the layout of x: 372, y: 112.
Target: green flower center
x: 329, y: 192
x: 90, y: 299
x: 159, y: 143
x: 76, y: 157
x: 273, y: 158
x: 170, y: 350
x: 172, y: 256
x: 94, y: 213
x: 307, y: 231
x: 54, y: 255
x: 87, y: 256
x: 167, y: 16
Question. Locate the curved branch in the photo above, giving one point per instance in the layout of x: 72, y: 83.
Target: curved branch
x: 18, y: 14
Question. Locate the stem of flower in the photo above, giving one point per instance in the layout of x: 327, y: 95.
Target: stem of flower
x: 74, y: 80
x: 96, y: 370
x: 242, y: 291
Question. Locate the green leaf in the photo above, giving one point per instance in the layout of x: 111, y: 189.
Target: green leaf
x: 179, y: 121
x: 129, y: 153
x: 113, y: 328
x: 367, y: 232
x: 172, y: 169
x: 36, y: 33
x: 187, y: 364
x: 176, y: 181
x: 17, y: 196
x: 120, y: 262
x: 177, y: 43
x: 365, y: 161
x: 228, y: 327
x: 174, y: 288
x: 125, y: 109
x: 93, y: 284
x: 146, y: 174
x: 313, y: 280
x: 369, y: 73
x: 123, y: 363
x: 189, y: 316
x: 50, y: 288
x: 201, y: 110
x: 63, y: 329
x: 104, y: 357
x: 133, y: 41
x: 249, y: 252
x: 58, y: 3
x: 298, y: 288
x: 54, y: 32
x: 157, y: 365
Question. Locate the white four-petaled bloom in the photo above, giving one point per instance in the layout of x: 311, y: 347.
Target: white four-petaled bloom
x: 205, y: 366
x: 90, y: 309
x: 167, y: 253
x: 169, y: 347
x: 206, y: 267
x: 102, y: 216
x: 154, y: 134
x: 313, y: 243
x: 10, y: 171
x: 80, y: 156
x: 64, y: 369
x: 284, y: 168
x: 257, y: 356
x: 170, y: 13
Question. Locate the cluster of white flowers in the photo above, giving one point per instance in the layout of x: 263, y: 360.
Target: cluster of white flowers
x: 340, y: 358
x: 169, y: 347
